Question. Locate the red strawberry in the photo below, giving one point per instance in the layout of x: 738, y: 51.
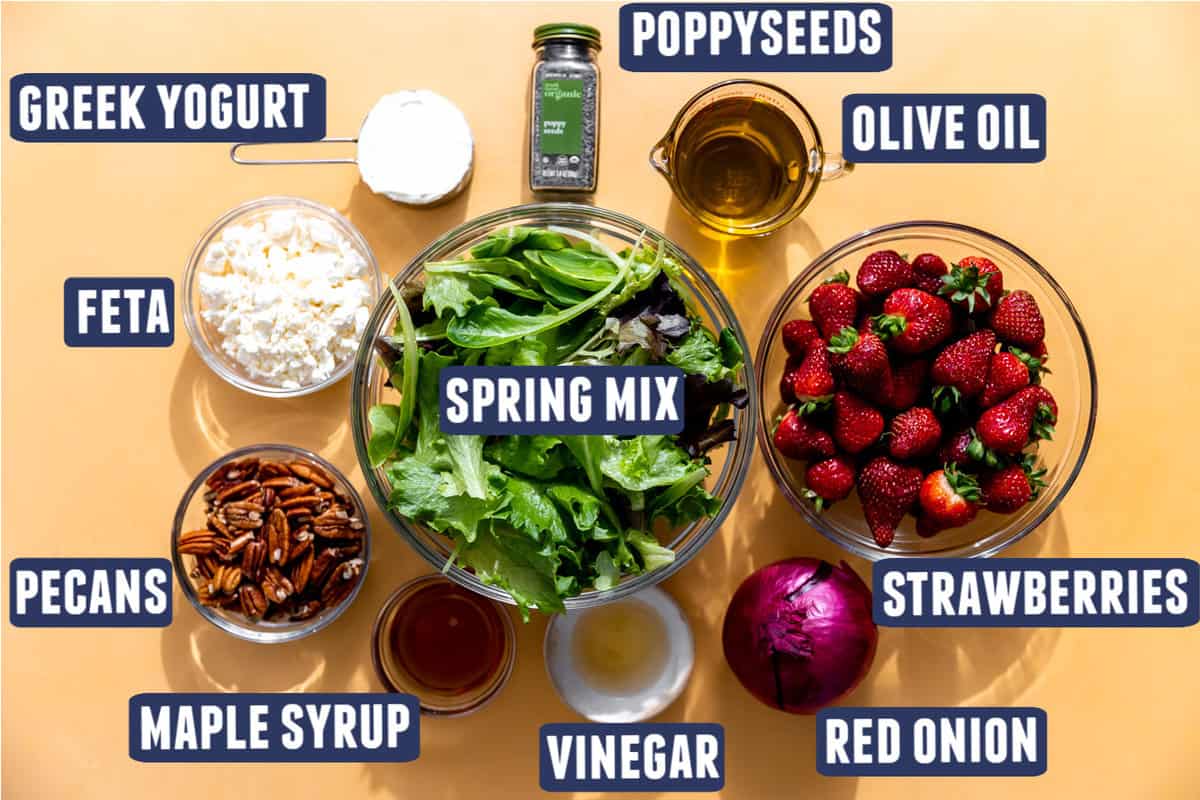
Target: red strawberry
x: 797, y: 438
x: 812, y: 381
x: 1046, y: 414
x: 798, y: 334
x: 928, y: 270
x: 915, y: 433
x: 1006, y: 374
x: 856, y: 424
x: 789, y: 375
x: 1007, y: 490
x: 908, y: 382
x: 829, y: 481
x: 883, y: 272
x: 949, y: 499
x: 887, y: 490
x: 833, y: 305
x: 1007, y: 427
x: 860, y: 357
x: 961, y: 369
x: 1018, y: 320
x: 1034, y: 362
x: 913, y: 321
x: 975, y: 284
x: 954, y: 449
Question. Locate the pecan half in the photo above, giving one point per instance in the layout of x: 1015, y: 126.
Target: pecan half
x: 272, y: 469
x: 254, y: 603
x: 226, y: 579
x: 282, y: 482
x: 253, y: 557
x: 306, y: 610
x: 243, y: 489
x: 311, y: 472
x: 233, y: 473
x: 278, y: 545
x: 301, y: 570
x: 197, y: 543
x: 237, y: 545
x: 275, y: 586
x: 302, y: 542
x: 341, y: 581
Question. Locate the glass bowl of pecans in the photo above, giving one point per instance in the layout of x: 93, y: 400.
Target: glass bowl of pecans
x: 271, y: 543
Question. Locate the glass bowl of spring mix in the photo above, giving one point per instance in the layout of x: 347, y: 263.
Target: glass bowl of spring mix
x: 545, y: 522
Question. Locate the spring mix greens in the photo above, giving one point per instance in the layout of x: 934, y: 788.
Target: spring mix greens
x: 547, y: 517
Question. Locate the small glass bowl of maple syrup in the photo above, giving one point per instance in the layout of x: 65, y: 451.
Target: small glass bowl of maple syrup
x: 450, y: 647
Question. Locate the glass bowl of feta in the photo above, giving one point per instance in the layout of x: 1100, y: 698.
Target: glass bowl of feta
x: 277, y: 294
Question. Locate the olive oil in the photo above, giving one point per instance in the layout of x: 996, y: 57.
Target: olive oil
x: 621, y: 647
x: 740, y: 162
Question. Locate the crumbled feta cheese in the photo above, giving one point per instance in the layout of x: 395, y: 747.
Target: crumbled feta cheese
x: 288, y: 295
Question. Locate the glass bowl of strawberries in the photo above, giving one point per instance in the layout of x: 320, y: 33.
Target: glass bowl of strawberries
x: 927, y: 390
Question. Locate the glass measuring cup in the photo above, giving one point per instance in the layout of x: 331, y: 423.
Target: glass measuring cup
x: 744, y: 157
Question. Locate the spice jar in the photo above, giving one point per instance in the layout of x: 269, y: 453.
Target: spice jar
x: 565, y: 118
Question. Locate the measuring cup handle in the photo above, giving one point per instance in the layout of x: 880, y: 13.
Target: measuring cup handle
x: 237, y: 159
x: 833, y: 166
x: 658, y: 159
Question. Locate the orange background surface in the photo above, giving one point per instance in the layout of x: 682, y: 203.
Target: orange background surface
x: 99, y: 444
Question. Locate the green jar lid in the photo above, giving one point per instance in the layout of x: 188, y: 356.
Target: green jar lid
x: 566, y: 30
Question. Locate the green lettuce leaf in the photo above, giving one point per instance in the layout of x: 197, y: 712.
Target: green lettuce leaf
x: 531, y: 512
x: 699, y: 354
x: 540, y: 457
x: 643, y: 462
x: 511, y: 561
x: 653, y: 554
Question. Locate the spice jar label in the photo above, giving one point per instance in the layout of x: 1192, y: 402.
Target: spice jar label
x: 661, y: 757
x: 271, y: 728
x: 562, y: 117
x: 931, y: 741
x: 1043, y: 592
x: 89, y: 592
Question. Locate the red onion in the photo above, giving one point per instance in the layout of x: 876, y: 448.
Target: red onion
x: 799, y: 634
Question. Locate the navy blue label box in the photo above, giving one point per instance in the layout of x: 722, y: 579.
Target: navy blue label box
x: 756, y: 37
x: 646, y: 756
x: 561, y: 400
x: 936, y: 742
x: 944, y: 128
x: 1036, y: 592
x: 89, y: 592
x: 167, y: 107
x: 119, y: 312
x: 274, y: 727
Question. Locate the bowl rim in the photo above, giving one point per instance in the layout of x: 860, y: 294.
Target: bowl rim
x: 737, y: 464
x: 776, y: 319
x: 255, y: 632
x: 502, y: 676
x: 191, y: 311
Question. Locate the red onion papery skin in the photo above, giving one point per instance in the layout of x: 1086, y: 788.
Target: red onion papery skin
x: 799, y: 635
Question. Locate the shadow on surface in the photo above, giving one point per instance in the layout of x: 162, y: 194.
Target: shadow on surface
x: 209, y: 418
x: 199, y: 657
x: 397, y: 232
